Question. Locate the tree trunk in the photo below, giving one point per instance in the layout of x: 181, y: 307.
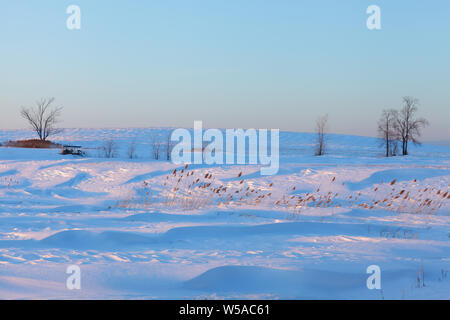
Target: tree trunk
x: 387, y: 146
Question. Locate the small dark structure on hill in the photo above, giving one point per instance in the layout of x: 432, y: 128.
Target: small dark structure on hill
x: 74, y: 150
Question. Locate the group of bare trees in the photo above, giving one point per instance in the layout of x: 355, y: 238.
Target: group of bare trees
x: 109, y: 148
x: 161, y: 147
x: 401, y: 127
x: 394, y: 127
x: 43, y: 118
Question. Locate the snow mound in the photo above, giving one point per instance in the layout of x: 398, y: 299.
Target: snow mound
x: 82, y: 239
x: 303, y: 283
x: 79, y: 178
x: 386, y: 176
x: 251, y: 279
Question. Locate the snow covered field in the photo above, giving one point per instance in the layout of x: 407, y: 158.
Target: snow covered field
x: 140, y: 231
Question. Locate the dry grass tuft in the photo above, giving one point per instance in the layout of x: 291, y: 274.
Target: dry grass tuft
x: 196, y: 189
x: 33, y: 144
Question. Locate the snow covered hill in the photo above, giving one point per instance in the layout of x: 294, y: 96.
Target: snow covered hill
x: 137, y: 229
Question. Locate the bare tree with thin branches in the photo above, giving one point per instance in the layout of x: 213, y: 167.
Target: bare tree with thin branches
x: 169, y: 147
x: 132, y: 149
x: 408, y: 126
x: 156, y: 146
x: 43, y: 117
x: 388, y: 132
x: 321, y: 127
x: 109, y: 148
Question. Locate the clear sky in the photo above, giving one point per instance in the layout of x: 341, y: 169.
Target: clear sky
x: 231, y: 63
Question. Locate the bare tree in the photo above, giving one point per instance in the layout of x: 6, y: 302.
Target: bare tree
x: 321, y: 127
x: 408, y: 126
x: 43, y: 117
x: 109, y: 149
x: 132, y: 149
x: 388, y: 132
x: 156, y: 146
x: 168, y: 147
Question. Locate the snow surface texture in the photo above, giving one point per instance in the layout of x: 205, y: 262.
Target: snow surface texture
x: 139, y: 231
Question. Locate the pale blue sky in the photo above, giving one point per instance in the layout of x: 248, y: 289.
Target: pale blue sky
x: 230, y: 63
